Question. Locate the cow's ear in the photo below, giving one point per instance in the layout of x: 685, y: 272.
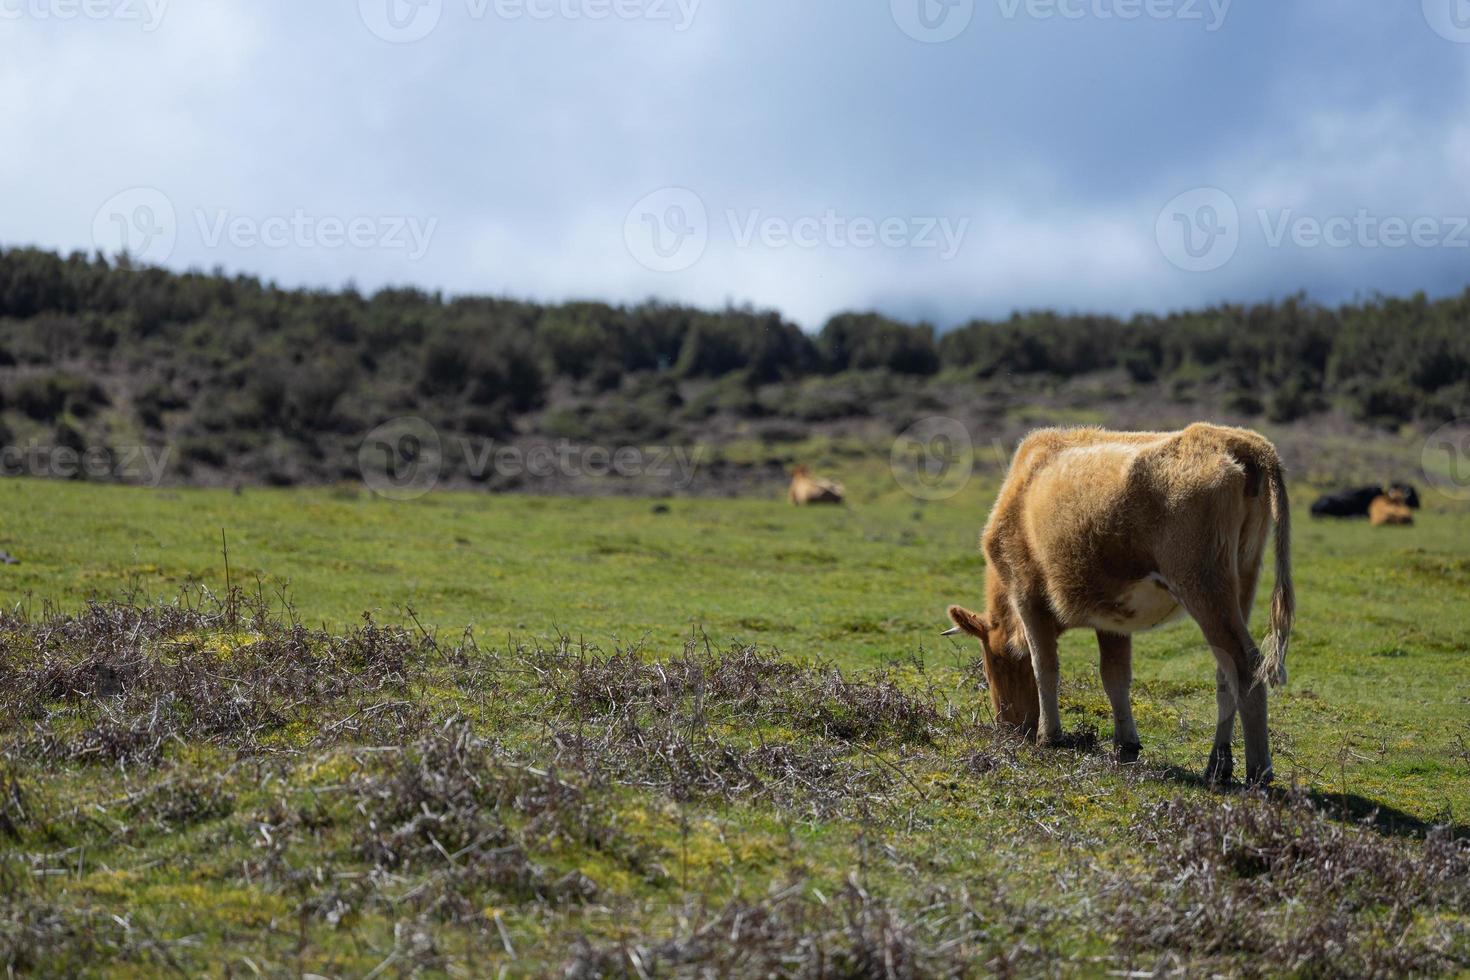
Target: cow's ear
x: 968, y: 621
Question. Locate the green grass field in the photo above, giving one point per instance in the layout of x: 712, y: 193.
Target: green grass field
x: 897, y: 834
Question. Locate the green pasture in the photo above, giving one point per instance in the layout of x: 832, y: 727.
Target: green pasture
x: 1375, y: 723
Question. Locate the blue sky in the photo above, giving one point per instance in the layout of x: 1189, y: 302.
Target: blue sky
x: 807, y: 155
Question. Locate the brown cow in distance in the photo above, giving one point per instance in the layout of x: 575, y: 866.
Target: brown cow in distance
x: 1120, y: 532
x: 1390, y: 508
x: 808, y: 489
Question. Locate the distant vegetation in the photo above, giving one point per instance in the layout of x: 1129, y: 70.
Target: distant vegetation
x: 95, y: 352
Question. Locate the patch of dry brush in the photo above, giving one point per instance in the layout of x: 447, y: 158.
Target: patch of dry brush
x: 426, y: 821
x: 118, y: 683
x: 730, y: 724
x: 1281, y: 883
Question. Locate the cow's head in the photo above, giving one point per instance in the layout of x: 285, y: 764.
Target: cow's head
x: 1012, y: 680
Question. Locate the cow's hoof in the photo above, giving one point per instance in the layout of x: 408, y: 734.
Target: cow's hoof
x: 1259, y: 778
x: 1221, y: 767
x: 1128, y: 753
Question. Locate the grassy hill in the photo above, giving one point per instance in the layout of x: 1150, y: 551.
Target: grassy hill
x: 242, y: 382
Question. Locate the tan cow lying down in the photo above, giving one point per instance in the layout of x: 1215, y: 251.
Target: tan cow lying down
x: 1120, y: 532
x: 1390, y: 508
x: 808, y: 489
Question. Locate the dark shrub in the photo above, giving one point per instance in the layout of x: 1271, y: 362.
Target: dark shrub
x: 1385, y: 402
x: 1244, y: 403
x: 868, y: 340
x: 202, y: 449
x: 67, y: 437
x: 506, y: 369
x: 446, y: 365
x: 41, y: 397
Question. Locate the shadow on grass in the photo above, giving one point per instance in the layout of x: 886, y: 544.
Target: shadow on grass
x: 1346, y: 807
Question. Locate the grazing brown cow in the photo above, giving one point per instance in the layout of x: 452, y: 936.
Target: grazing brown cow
x: 808, y: 489
x: 1121, y: 532
x: 1390, y: 508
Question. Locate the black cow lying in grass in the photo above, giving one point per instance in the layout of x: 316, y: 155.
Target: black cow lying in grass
x: 1355, y: 503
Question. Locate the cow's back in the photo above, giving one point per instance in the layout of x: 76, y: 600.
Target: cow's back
x: 1086, y: 513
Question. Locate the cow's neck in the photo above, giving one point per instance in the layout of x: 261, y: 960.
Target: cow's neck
x: 1007, y: 629
x: 1005, y: 626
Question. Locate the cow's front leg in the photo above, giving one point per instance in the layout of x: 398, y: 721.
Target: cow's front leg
x: 1041, y: 637
x: 1115, y: 651
x: 1221, y: 767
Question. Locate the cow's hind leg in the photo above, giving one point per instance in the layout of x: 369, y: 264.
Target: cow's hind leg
x: 1115, y: 662
x: 1236, y: 655
x: 1221, y: 767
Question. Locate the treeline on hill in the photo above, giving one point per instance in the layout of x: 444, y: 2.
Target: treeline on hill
x: 219, y: 365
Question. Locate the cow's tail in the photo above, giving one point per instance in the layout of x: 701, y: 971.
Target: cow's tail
x: 1283, y: 598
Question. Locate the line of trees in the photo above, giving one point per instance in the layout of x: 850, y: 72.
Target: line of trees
x: 242, y: 355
